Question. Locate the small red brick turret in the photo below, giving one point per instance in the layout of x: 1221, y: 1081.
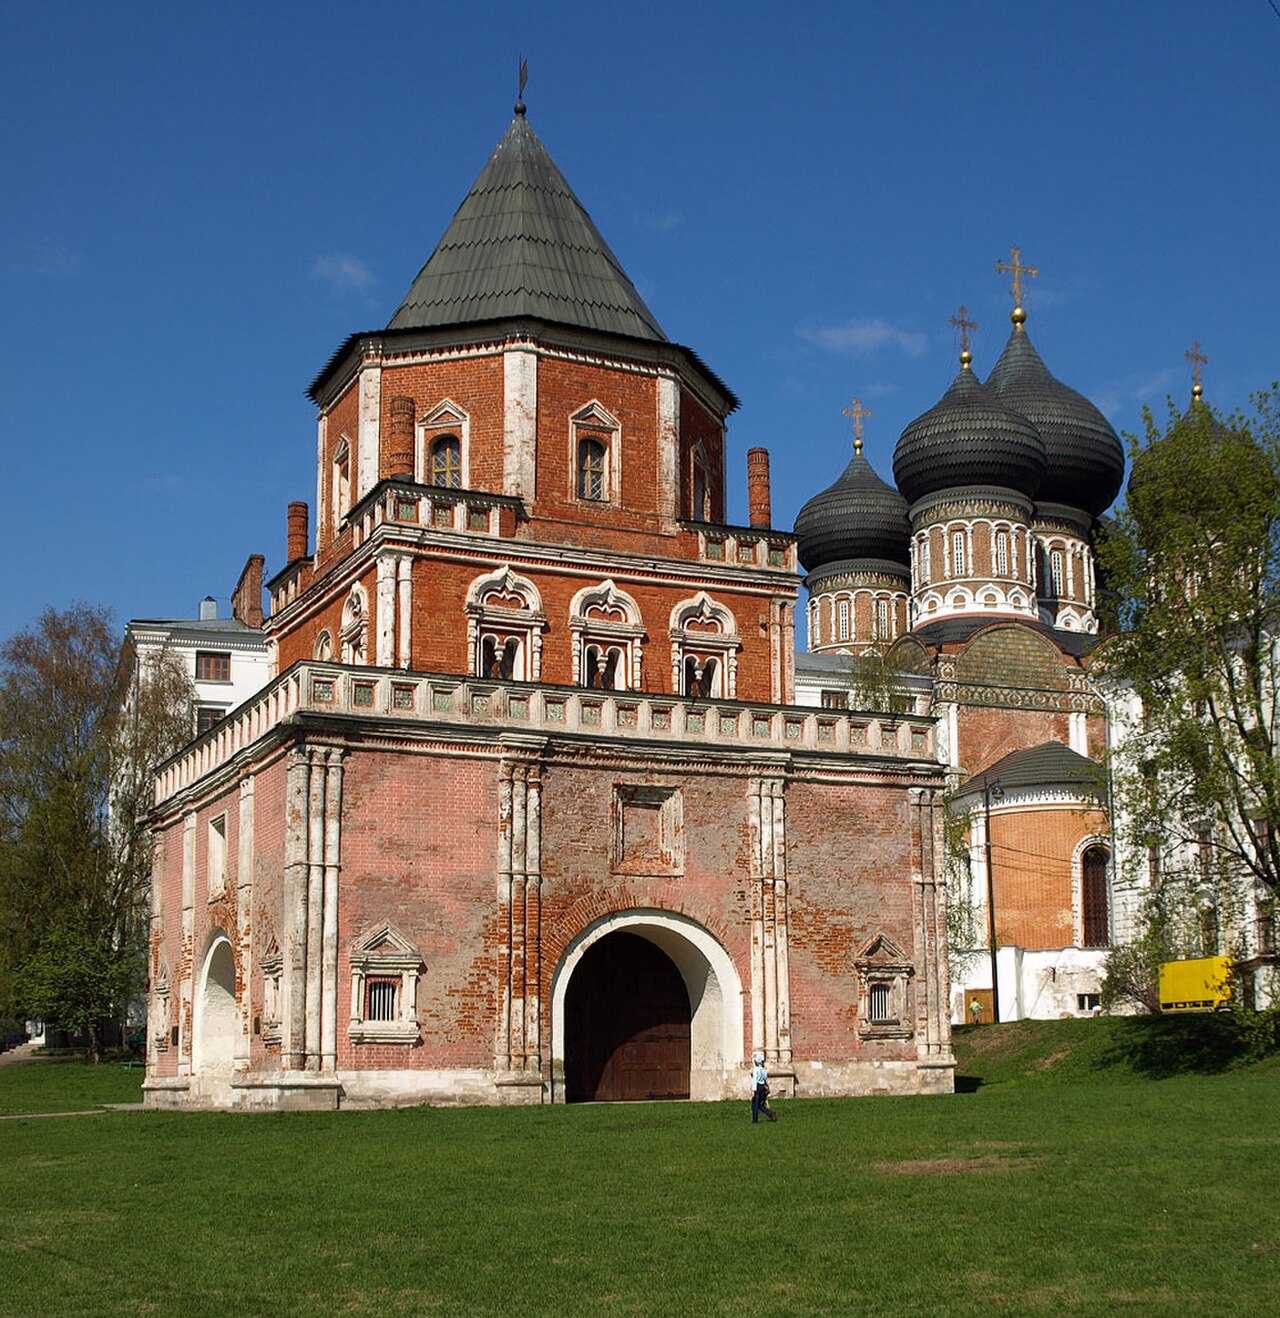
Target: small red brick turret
x: 297, y: 541
x: 758, y: 486
x: 246, y: 599
x: 400, y: 450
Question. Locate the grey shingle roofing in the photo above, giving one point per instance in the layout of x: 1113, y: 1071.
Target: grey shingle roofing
x: 858, y: 517
x: 1050, y: 764
x: 1085, y: 456
x: 970, y: 437
x: 521, y: 244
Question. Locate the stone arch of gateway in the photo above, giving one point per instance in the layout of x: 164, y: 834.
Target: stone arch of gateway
x: 445, y: 878
x: 646, y: 1005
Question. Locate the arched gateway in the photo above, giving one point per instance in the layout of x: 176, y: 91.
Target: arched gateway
x: 215, y: 1015
x: 646, y: 1005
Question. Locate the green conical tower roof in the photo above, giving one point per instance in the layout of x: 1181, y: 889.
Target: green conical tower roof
x: 521, y: 244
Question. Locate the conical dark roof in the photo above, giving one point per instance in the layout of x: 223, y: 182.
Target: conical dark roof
x: 521, y: 244
x: 1085, y: 457
x: 859, y: 517
x: 969, y: 438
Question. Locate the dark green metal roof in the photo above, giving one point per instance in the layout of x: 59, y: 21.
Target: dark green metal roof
x: 521, y: 244
x: 1050, y: 764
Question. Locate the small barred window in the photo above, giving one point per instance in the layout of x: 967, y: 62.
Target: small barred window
x: 380, y: 999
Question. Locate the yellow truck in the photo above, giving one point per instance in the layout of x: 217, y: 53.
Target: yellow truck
x: 1202, y: 984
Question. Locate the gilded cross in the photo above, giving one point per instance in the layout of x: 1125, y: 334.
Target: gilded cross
x: 1197, y: 359
x: 962, y: 322
x: 859, y: 414
x: 1017, y: 270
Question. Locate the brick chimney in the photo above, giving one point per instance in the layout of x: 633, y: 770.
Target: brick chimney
x: 246, y: 599
x: 297, y: 542
x: 400, y: 450
x: 758, y: 486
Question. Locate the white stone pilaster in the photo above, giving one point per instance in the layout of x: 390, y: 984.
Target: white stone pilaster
x: 384, y: 621
x: 315, y: 908
x: 404, y: 611
x: 365, y: 468
x: 244, y: 925
x: 668, y: 450
x: 520, y: 423
x: 329, y: 924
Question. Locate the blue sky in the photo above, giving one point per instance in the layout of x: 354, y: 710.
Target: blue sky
x: 201, y: 202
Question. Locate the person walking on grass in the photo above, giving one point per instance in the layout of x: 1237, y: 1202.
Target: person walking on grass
x: 760, y: 1090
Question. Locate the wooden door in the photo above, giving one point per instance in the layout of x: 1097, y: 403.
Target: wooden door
x: 626, y: 1024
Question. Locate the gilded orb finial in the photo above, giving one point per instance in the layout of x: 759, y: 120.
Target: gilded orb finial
x: 1197, y: 359
x: 1015, y: 267
x: 858, y: 414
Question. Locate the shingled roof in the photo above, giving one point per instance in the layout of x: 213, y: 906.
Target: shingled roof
x: 522, y: 245
x: 1050, y: 764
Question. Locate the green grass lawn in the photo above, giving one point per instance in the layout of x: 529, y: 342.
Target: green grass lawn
x: 1121, y: 1194
x: 66, y: 1086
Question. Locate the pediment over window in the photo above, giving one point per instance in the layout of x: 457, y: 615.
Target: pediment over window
x: 446, y: 413
x: 593, y: 414
x: 883, y: 954
x: 385, y: 947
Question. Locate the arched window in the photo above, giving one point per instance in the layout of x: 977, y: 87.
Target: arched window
x: 844, y: 619
x: 924, y: 561
x: 324, y: 645
x: 1055, y: 573
x: 608, y: 637
x: 698, y: 510
x: 1093, y: 898
x: 446, y: 462
x: 603, y: 668
x: 505, y: 623
x: 341, y: 490
x: 701, y: 677
x: 1002, y: 553
x: 882, y: 620
x: 957, y: 554
x: 593, y: 472
x: 502, y: 658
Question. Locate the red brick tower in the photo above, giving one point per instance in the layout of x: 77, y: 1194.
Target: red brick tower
x: 528, y: 813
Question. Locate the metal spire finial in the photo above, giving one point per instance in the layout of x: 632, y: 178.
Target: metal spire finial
x: 524, y: 78
x: 859, y: 414
x: 1017, y: 270
x: 1197, y: 359
x: 962, y: 322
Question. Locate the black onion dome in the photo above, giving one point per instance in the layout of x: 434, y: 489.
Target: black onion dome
x: 1085, y: 456
x: 968, y: 438
x: 860, y: 516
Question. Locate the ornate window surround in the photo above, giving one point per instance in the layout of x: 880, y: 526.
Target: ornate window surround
x: 719, y: 640
x: 590, y: 624
x: 340, y: 482
x: 594, y: 421
x: 883, y: 963
x: 354, y: 633
x: 525, y: 619
x: 385, y: 953
x: 446, y: 418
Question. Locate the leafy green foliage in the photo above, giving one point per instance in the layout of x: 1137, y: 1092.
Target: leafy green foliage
x: 76, y: 976
x: 1192, y: 568
x: 77, y: 734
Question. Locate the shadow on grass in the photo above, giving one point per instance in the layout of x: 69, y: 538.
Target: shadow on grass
x: 1163, y: 1046
x: 968, y: 1084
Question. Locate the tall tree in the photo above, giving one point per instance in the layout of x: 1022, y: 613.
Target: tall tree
x: 1192, y: 569
x: 73, y: 741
